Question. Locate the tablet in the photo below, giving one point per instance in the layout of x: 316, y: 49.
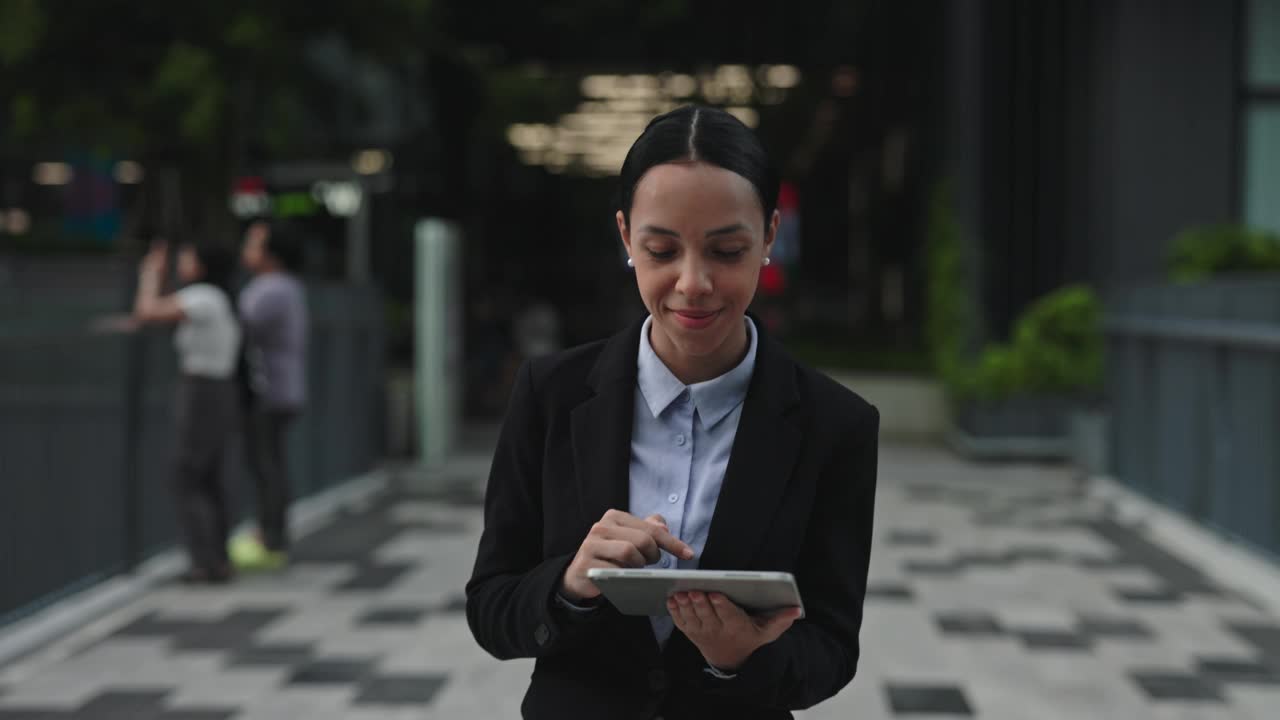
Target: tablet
x: 645, y: 592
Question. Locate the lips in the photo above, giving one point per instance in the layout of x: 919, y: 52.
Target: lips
x: 695, y: 319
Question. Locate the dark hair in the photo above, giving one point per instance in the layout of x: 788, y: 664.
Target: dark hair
x: 218, y: 262
x: 284, y: 243
x: 710, y: 135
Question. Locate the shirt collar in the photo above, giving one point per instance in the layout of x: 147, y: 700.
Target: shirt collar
x: 714, y: 398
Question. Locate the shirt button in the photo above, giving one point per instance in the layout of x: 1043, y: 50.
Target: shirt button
x: 541, y: 634
x: 667, y: 562
x: 673, y: 498
x: 680, y: 439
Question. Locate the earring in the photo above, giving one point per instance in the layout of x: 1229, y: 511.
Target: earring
x: 631, y: 263
x: 766, y: 260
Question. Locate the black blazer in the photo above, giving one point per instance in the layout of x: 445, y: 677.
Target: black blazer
x: 798, y: 496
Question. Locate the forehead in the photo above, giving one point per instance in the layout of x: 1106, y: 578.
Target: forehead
x: 695, y: 194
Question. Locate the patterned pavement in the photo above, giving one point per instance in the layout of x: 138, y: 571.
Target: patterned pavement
x: 1005, y: 591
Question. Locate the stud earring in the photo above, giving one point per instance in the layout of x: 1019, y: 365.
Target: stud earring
x: 631, y: 263
x: 766, y: 261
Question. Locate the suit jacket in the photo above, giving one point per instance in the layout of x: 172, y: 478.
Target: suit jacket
x: 798, y: 496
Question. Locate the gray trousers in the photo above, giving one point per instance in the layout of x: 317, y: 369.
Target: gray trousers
x: 206, y: 419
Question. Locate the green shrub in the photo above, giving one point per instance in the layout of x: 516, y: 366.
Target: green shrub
x: 1056, y: 345
x: 998, y: 373
x: 1058, y: 339
x: 949, y: 322
x: 1201, y: 252
x: 1057, y: 349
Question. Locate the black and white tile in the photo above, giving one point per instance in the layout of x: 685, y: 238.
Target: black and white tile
x: 363, y: 624
x: 1011, y: 592
x: 995, y: 592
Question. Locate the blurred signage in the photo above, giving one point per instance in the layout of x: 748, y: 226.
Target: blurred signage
x: 342, y: 198
x: 250, y: 198
x: 90, y: 199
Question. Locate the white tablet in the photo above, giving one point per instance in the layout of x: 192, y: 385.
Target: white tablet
x: 645, y: 592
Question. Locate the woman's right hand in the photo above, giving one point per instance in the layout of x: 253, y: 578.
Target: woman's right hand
x: 619, y: 540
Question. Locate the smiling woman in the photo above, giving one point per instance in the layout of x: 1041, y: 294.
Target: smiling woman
x: 702, y: 197
x: 689, y: 440
x: 697, y: 248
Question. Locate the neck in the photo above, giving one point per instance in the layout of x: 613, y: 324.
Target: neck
x: 690, y: 369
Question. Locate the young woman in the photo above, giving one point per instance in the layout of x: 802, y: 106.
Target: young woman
x: 690, y: 439
x: 208, y: 344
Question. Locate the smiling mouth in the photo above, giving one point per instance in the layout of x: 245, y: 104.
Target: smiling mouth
x: 695, y: 319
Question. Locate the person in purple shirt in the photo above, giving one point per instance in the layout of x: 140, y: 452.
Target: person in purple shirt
x: 273, y: 313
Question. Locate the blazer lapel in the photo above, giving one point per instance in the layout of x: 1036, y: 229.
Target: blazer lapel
x: 601, y: 431
x: 601, y: 428
x: 764, y: 454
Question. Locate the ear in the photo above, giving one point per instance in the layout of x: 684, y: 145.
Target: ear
x: 771, y: 232
x: 624, y: 232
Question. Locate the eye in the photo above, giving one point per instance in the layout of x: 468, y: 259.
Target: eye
x: 661, y: 254
x: 729, y: 254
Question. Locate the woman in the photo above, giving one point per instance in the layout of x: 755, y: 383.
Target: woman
x: 208, y: 344
x: 689, y: 439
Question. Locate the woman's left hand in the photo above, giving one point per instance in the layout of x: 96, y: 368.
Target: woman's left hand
x: 154, y: 261
x: 723, y: 632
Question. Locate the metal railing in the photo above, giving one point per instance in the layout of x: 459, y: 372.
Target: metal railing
x: 1194, y: 377
x: 86, y: 443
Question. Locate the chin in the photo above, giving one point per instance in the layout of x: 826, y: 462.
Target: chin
x: 696, y: 343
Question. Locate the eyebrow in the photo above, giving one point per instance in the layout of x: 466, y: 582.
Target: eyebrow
x: 726, y: 230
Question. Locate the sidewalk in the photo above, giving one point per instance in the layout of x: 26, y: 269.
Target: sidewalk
x: 996, y: 592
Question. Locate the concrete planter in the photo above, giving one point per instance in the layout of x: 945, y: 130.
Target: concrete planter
x: 1090, y: 432
x: 1055, y: 428
x: 1023, y: 427
x: 911, y: 406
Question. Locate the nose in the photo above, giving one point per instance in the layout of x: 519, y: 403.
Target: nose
x: 695, y: 278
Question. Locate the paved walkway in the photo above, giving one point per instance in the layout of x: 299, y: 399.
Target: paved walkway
x: 996, y: 592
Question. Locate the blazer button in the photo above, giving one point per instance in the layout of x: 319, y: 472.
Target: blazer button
x: 541, y: 634
x: 657, y: 681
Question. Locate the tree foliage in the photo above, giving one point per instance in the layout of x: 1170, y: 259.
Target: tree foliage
x: 195, y: 87
x: 171, y: 74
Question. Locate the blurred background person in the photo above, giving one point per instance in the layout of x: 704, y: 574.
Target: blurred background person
x: 207, y: 341
x: 537, y: 330
x: 273, y: 310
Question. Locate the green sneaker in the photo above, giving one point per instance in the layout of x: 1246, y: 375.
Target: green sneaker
x: 248, y: 554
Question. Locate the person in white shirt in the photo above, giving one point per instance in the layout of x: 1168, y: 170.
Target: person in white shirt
x: 208, y: 345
